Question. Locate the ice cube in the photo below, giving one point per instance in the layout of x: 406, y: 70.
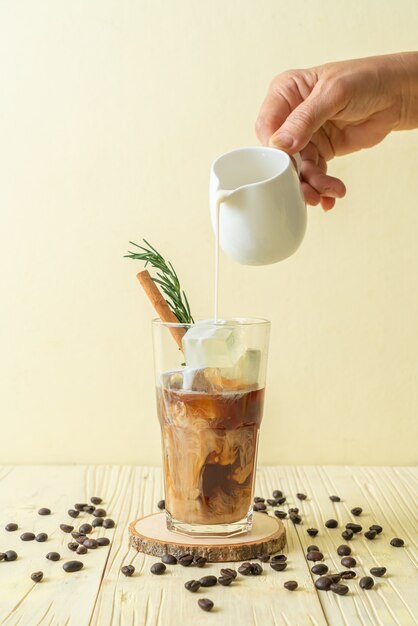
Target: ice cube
x: 210, y: 345
x: 246, y: 369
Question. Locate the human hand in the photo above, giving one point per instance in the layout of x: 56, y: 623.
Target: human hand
x: 336, y: 109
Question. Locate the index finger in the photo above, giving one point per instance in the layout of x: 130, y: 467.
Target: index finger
x: 281, y: 99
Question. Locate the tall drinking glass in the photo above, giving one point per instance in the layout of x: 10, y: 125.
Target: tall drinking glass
x: 210, y: 395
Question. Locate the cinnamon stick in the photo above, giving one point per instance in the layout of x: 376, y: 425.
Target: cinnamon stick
x: 160, y: 305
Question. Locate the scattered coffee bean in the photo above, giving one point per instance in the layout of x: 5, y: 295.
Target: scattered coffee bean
x: 339, y: 589
x: 347, y: 534
x: 41, y: 537
x: 199, y: 561
x: 301, y: 496
x: 96, y: 500
x: 366, y: 582
x: 186, y: 560
x: 259, y: 506
x: 335, y: 498
x: 280, y: 514
x: 80, y: 507
x: 396, y: 542
x: 356, y: 528
x: 312, y: 532
x: 348, y: 574
x: 99, y: 513
x: 315, y: 555
x: 73, y: 513
x: 169, y: 559
x: 157, y: 568
x: 281, y: 500
x: 335, y: 578
x: 377, y: 528
x: 370, y: 534
x: 44, y: 511
x: 89, y: 508
x: 53, y: 556
x: 331, y: 523
x: 263, y: 512
x: 277, y: 494
x: 11, y: 527
x: 357, y: 511
x: 80, y: 539
x: 85, y: 529
x: 319, y: 569
x: 37, y: 576
x: 192, y: 585
x: 291, y: 585
x: 2, y: 556
x: 323, y: 583
x: 258, y: 499
x: 293, y: 509
x: 161, y: 505
x: 296, y: 519
x: 256, y: 569
x: 10, y: 555
x: 208, y: 581
x: 81, y: 550
x: 73, y: 545
x: 348, y: 561
x: 264, y: 558
x: 98, y: 521
x: 27, y: 536
x: 66, y: 528
x: 90, y: 544
x: 378, y: 571
x: 127, y: 570
x: 75, y: 534
x: 271, y: 502
x: 245, y: 569
x: 225, y: 581
x: 108, y: 523
x: 278, y: 566
x: 279, y: 558
x: 72, y: 566
x: 343, y: 550
x: 228, y: 571
x: 312, y: 548
x: 103, y: 541
x: 205, y: 604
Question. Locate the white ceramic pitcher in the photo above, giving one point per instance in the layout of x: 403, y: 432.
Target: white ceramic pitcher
x: 263, y: 213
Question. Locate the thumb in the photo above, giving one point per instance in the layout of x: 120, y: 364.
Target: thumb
x: 297, y: 130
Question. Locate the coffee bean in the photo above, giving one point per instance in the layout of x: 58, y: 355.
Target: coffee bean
x: 127, y: 570
x: 291, y: 585
x: 319, y: 569
x: 158, y: 568
x: 2, y: 556
x: 208, y: 581
x: 44, y: 511
x: 396, y: 542
x: 10, y: 555
x: 301, y: 496
x: 366, y: 582
x: 225, y: 581
x: 264, y: 558
x: 90, y: 544
x: 89, y: 508
x: 75, y: 534
x: 296, y: 519
x: 81, y: 550
x: 53, y: 556
x: 343, y: 550
x: 259, y: 506
x: 335, y: 498
x: 315, y: 555
x: 80, y: 507
x: 312, y: 532
x: 192, y: 585
x: 278, y: 558
x: 335, y: 578
x: 169, y: 559
x: 11, y: 527
x: 356, y: 528
x: 228, y: 571
x: 245, y: 569
x: 72, y: 566
x: 293, y: 509
x: 281, y: 500
x: 378, y: 571
x: 258, y: 499
x: 98, y: 521
x: 27, y: 536
x: 331, y: 523
x: 103, y: 541
x: 370, y: 534
x: 341, y: 590
x: 271, y: 502
x: 199, y: 561
x: 205, y: 604
x: 278, y: 566
x: 108, y: 523
x: 263, y: 512
x: 348, y: 574
x: 348, y: 561
x: 277, y: 494
x: 73, y: 512
x: 357, y: 511
x: 85, y: 529
x: 99, y: 513
x: 256, y: 569
x: 80, y: 539
x: 347, y: 534
x: 312, y: 548
x: 186, y: 560
x: 96, y: 500
x: 66, y: 528
x: 73, y: 545
x: 37, y: 576
x: 161, y: 505
x: 377, y: 528
x: 323, y: 583
x: 280, y: 514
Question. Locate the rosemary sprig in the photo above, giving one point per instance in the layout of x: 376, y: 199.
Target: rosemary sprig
x: 167, y: 278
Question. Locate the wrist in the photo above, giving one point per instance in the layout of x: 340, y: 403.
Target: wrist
x: 406, y: 66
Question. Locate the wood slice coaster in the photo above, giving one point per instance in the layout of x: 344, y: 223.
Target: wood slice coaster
x: 149, y: 534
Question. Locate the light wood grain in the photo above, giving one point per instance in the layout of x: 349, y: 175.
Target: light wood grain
x: 100, y: 595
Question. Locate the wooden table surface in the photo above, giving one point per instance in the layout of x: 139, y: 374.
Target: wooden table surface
x: 100, y: 595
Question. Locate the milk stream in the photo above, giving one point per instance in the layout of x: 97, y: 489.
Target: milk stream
x: 221, y: 197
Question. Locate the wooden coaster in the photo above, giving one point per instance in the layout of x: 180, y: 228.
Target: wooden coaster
x: 149, y: 534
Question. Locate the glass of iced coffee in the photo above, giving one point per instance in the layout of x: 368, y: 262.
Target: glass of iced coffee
x: 210, y: 380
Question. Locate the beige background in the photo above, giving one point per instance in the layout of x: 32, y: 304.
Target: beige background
x: 110, y: 115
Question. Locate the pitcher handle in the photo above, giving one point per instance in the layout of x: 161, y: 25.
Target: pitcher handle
x: 297, y: 162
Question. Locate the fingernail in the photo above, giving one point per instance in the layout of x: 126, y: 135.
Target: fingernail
x: 282, y: 140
